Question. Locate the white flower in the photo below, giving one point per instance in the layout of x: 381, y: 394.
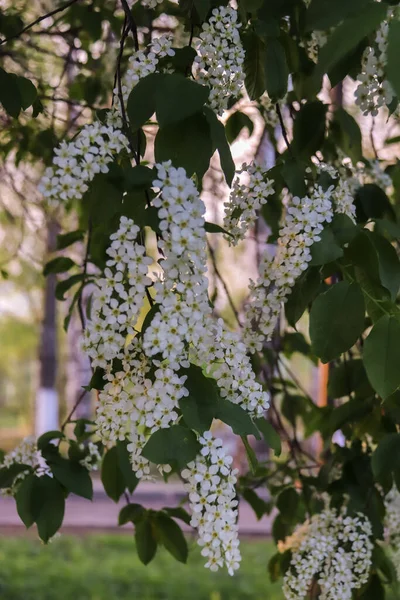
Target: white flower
x: 333, y: 549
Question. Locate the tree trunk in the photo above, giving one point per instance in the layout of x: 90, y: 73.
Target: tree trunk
x: 46, y: 415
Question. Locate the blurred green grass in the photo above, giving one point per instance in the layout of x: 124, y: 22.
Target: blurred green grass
x: 106, y: 567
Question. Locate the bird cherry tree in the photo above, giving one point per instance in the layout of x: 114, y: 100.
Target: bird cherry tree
x: 164, y: 364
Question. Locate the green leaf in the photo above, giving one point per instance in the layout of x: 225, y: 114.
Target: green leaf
x: 309, y: 129
x: 178, y: 98
x: 10, y: 96
x: 27, y: 91
x: 276, y: 69
x: 348, y: 377
x: 269, y: 434
x: 214, y: 228
x: 382, y: 356
x: 142, y: 100
x: 389, y: 264
x: 393, y: 53
x: 187, y: 144
x: 324, y: 14
x: 336, y: 320
x: 236, y: 417
x: 389, y: 228
x: 72, y: 476
x: 50, y: 500
x: 349, y: 412
x: 288, y: 504
x: 58, y: 265
x: 344, y: 229
x: 253, y: 66
x: 146, y: 543
x: 386, y: 457
x: 138, y: 177
x: 234, y: 125
x: 111, y: 475
x: 326, y: 250
x: 125, y: 465
x: 303, y: 293
x: 293, y: 174
x: 348, y: 35
x: 219, y: 140
x: 178, y: 513
x: 8, y: 474
x: 170, y: 535
x: 259, y: 505
x: 97, y: 381
x: 46, y: 438
x: 66, y: 284
x: 182, y: 60
x: 131, y: 513
x: 371, y: 202
x: 175, y: 445
x: 200, y: 407
x: 347, y: 131
x: 363, y: 255
x: 27, y: 508
x: 67, y: 239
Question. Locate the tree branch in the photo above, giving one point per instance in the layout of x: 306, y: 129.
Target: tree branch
x: 38, y: 20
x: 218, y: 274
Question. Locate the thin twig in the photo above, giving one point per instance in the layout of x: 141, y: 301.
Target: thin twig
x: 371, y: 136
x: 283, y: 128
x: 126, y: 128
x: 85, y: 266
x: 218, y: 274
x: 131, y: 23
x: 77, y: 403
x: 38, y: 20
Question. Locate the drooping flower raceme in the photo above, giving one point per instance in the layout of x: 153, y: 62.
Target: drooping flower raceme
x: 77, y: 162
x: 332, y: 550
x: 374, y: 90
x: 301, y: 227
x: 145, y: 372
x: 220, y: 57
x: 212, y: 497
x: 245, y: 201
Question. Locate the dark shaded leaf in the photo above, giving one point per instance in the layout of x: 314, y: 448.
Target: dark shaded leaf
x: 236, y: 417
x: 146, y: 543
x: 336, y: 320
x: 111, y: 475
x: 382, y: 356
x: 170, y: 535
x: 175, y: 445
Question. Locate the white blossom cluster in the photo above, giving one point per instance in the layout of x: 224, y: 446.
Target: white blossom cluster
x: 212, y: 496
x: 374, y: 90
x: 144, y: 62
x: 220, y: 57
x: 332, y: 550
x: 119, y: 296
x: 151, y: 3
x: 245, y: 201
x: 343, y: 193
x: 26, y: 453
x: 392, y: 526
x: 314, y: 43
x: 77, y: 162
x: 182, y: 330
x: 143, y: 370
x: 92, y: 458
x: 302, y: 226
